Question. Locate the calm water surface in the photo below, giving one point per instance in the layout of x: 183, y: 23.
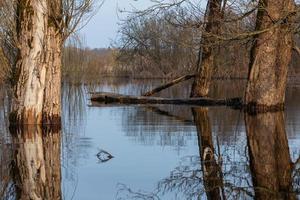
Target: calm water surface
x: 159, y: 152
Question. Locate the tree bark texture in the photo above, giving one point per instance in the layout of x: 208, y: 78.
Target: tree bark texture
x: 37, y: 92
x: 270, y: 56
x: 270, y: 161
x: 205, y: 61
x: 52, y: 92
x: 37, y: 165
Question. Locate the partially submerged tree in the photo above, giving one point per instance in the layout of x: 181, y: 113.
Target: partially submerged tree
x: 205, y: 61
x: 41, y: 28
x: 270, y: 55
x: 32, y: 32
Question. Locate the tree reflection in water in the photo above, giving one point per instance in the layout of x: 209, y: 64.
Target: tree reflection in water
x: 267, y: 173
x: 259, y: 168
x: 212, y: 172
x: 270, y: 160
x: 36, y: 166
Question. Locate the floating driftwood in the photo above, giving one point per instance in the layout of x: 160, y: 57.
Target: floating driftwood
x: 112, y: 98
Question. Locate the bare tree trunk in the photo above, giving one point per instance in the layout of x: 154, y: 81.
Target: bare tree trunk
x: 37, y: 165
x: 212, y: 174
x: 270, y: 56
x: 205, y: 60
x: 270, y: 161
x: 31, y: 33
x: 37, y: 97
x: 52, y: 95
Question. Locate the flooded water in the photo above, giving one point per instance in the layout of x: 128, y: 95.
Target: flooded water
x: 154, y: 152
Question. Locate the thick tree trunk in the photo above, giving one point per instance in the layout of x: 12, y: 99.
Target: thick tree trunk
x: 205, y: 61
x: 212, y: 174
x: 52, y: 95
x: 31, y: 32
x: 269, y: 156
x: 37, y: 96
x: 37, y: 165
x: 270, y: 56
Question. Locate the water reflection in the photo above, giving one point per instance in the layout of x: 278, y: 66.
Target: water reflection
x: 36, y: 164
x: 166, y: 126
x: 74, y: 104
x: 212, y: 172
x: 161, y: 152
x: 201, y: 176
x: 270, y: 160
x: 211, y: 175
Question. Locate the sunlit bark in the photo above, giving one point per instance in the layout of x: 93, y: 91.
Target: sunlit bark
x: 270, y: 56
x: 31, y: 33
x: 52, y: 92
x: 205, y: 61
x: 269, y: 156
x: 37, y: 168
x: 39, y: 34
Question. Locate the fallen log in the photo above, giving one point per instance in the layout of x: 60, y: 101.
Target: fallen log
x: 169, y: 84
x: 112, y: 98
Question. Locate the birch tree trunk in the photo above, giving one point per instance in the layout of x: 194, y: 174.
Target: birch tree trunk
x: 270, y: 56
x: 37, y: 93
x: 205, y: 61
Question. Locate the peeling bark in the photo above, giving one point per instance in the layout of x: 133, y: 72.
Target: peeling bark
x: 32, y: 26
x: 52, y: 92
x: 37, y: 93
x: 270, y: 57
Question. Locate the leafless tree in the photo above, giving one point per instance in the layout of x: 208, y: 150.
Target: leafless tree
x: 41, y: 27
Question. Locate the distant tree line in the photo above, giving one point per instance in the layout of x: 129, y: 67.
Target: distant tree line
x: 85, y: 65
x: 154, y: 43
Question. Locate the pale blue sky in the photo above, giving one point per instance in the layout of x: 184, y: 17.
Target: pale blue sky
x: 103, y: 27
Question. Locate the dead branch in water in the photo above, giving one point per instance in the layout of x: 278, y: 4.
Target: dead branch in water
x: 169, y: 84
